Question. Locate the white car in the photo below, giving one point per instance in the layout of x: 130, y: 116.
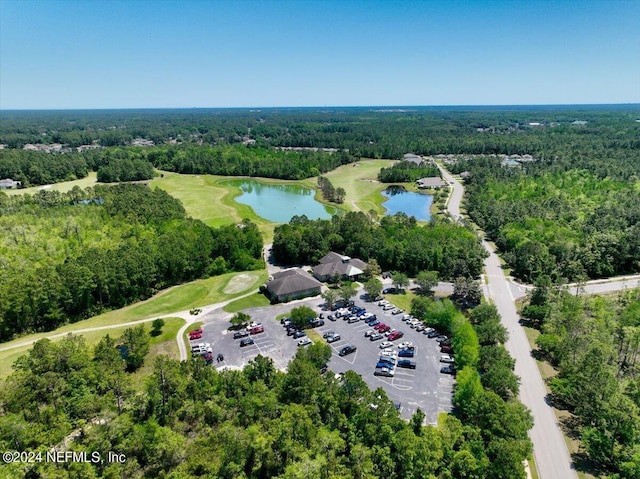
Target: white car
x: 390, y: 331
x: 405, y: 345
x: 407, y: 317
x: 385, y: 344
x: 384, y: 302
x: 387, y: 307
x: 447, y: 359
x: 389, y: 352
x: 304, y: 341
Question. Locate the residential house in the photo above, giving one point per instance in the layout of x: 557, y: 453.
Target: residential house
x: 430, y: 182
x: 9, y: 184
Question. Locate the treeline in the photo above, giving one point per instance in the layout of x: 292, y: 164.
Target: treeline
x: 398, y: 243
x: 67, y: 256
x: 330, y: 192
x: 407, y: 171
x: 607, y: 132
x: 594, y: 343
x: 569, y: 225
x: 239, y: 160
x: 125, y: 170
x: 33, y: 168
x: 486, y: 385
x: 190, y: 420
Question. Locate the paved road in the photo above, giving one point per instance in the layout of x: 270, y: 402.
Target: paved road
x: 551, y: 453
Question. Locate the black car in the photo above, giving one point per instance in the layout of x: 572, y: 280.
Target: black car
x: 405, y: 363
x: 291, y: 330
x: 348, y: 349
x: 246, y: 342
x: 316, y: 323
x: 240, y: 334
x: 448, y: 370
x: 299, y: 334
x: 433, y: 334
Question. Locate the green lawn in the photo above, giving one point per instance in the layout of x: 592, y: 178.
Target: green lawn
x: 83, y: 183
x: 402, y: 301
x: 163, y: 344
x: 253, y: 301
x: 179, y: 298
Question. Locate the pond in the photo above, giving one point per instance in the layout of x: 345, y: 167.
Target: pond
x: 402, y: 201
x: 279, y: 203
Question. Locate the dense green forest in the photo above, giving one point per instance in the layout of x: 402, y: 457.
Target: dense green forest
x: 548, y: 218
x: 595, y: 344
x: 189, y: 420
x: 406, y: 171
x: 66, y: 256
x: 396, y: 242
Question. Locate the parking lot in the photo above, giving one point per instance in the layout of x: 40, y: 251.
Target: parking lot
x: 424, y: 387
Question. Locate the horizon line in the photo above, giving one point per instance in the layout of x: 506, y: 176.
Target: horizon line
x: 501, y: 105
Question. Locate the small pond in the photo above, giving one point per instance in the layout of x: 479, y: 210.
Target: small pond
x: 279, y: 203
x: 403, y: 201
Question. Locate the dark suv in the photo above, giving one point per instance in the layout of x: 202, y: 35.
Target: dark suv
x: 348, y: 349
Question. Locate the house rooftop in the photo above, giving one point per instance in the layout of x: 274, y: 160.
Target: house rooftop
x: 292, y: 281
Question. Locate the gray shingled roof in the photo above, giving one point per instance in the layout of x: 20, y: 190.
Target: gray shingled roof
x: 333, y: 264
x: 292, y: 281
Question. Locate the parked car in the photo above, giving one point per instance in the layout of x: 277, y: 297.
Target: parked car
x: 395, y: 335
x: 397, y: 311
x: 446, y: 349
x: 389, y: 352
x: 420, y: 327
x: 382, y: 327
x: 353, y: 319
x: 385, y: 344
x: 246, y: 342
x: 388, y: 307
x: 386, y: 372
x: 331, y: 317
x: 389, y: 290
x: 374, y: 322
x: 328, y: 333
x: 406, y: 353
x: 334, y: 338
x: 299, y: 334
x: 433, y: 334
x: 447, y: 359
x: 405, y: 363
x: 257, y: 330
x: 316, y: 323
x: 195, y: 334
x: 291, y: 330
x: 304, y: 341
x: 441, y: 338
x: 369, y: 332
x: 407, y: 317
x: 385, y: 363
x: 383, y: 302
x: 388, y: 333
x: 448, y: 369
x: 284, y: 320
x: 348, y: 349
x: 240, y: 334
x: 376, y: 337
x: 406, y: 345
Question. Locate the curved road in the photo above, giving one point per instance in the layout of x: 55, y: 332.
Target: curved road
x: 549, y: 448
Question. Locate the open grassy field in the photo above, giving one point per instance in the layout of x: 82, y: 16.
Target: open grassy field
x: 163, y: 344
x: 83, y: 183
x: 253, y: 301
x: 179, y: 298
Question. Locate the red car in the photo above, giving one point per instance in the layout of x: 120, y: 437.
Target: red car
x: 383, y: 328
x: 195, y: 334
x: 396, y: 335
x: 257, y: 330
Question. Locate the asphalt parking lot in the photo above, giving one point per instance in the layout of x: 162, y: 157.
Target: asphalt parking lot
x: 424, y: 387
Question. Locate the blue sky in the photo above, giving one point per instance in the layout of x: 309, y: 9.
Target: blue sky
x: 157, y: 54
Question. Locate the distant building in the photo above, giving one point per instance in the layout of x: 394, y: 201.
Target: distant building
x: 9, y: 184
x: 413, y: 158
x: 579, y: 122
x: 334, y: 265
x: 292, y: 284
x: 431, y: 182
x: 142, y: 142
